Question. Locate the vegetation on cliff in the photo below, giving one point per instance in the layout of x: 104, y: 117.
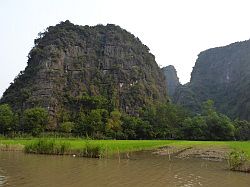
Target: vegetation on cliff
x: 78, y: 73
x: 102, y: 82
x: 221, y: 74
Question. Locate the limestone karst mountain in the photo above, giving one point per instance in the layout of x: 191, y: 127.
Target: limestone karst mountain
x: 70, y: 64
x: 223, y: 75
x: 172, y: 80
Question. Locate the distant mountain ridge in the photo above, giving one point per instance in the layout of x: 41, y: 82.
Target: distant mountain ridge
x: 223, y: 75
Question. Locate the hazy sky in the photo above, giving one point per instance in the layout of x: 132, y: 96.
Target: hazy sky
x: 174, y: 30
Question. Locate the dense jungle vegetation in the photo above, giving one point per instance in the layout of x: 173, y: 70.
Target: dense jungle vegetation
x: 164, y: 121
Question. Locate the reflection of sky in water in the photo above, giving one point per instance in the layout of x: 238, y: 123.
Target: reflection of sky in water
x: 2, y: 178
x: 188, y: 180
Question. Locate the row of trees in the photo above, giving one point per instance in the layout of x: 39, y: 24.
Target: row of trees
x: 34, y: 120
x: 164, y: 121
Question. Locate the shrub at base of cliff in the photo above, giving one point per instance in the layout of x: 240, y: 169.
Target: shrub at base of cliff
x: 163, y: 121
x: 35, y: 120
x: 208, y: 126
x: 194, y: 128
x: 67, y: 127
x: 6, y: 119
x: 91, y: 123
x: 136, y: 128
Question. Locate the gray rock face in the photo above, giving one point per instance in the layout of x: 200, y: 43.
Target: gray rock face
x: 172, y: 80
x: 223, y: 75
x: 69, y: 61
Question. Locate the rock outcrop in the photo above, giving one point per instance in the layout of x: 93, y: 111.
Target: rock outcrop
x: 69, y: 61
x: 223, y: 75
x: 172, y: 80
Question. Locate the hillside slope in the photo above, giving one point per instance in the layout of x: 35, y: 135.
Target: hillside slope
x: 223, y: 75
x: 72, y: 67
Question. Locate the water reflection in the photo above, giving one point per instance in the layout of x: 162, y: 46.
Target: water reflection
x: 143, y: 169
x: 2, y: 179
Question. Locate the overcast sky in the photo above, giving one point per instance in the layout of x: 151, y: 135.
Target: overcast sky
x: 174, y: 30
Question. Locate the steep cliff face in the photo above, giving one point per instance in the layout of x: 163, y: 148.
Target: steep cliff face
x: 172, y: 80
x: 223, y: 75
x: 70, y: 61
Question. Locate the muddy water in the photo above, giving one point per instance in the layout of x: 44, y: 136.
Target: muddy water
x: 143, y: 169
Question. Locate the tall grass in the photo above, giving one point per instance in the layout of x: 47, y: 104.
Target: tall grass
x: 87, y: 148
x: 237, y: 159
x: 47, y: 146
x: 104, y: 148
x: 60, y: 147
x: 92, y: 150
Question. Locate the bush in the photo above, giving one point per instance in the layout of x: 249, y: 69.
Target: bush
x: 237, y: 159
x: 6, y: 118
x: 67, y: 127
x: 35, y: 120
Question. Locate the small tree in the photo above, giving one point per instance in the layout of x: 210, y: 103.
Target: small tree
x: 113, y: 125
x: 129, y: 125
x: 6, y: 118
x: 35, y: 120
x: 95, y: 121
x: 114, y: 122
x: 67, y: 127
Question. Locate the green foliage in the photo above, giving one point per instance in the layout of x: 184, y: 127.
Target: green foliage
x: 194, y: 128
x: 129, y: 126
x: 237, y: 159
x: 208, y: 107
x: 35, y: 120
x: 6, y: 118
x: 165, y: 120
x: 93, y: 102
x: 209, y: 126
x: 63, y: 116
x: 220, y: 127
x: 136, y: 128
x: 47, y: 146
x: 242, y: 130
x: 161, y: 121
x: 87, y: 68
x: 92, y: 150
x: 95, y: 121
x: 221, y: 74
x: 108, y: 85
x: 114, y: 122
x: 92, y: 124
x: 67, y: 127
